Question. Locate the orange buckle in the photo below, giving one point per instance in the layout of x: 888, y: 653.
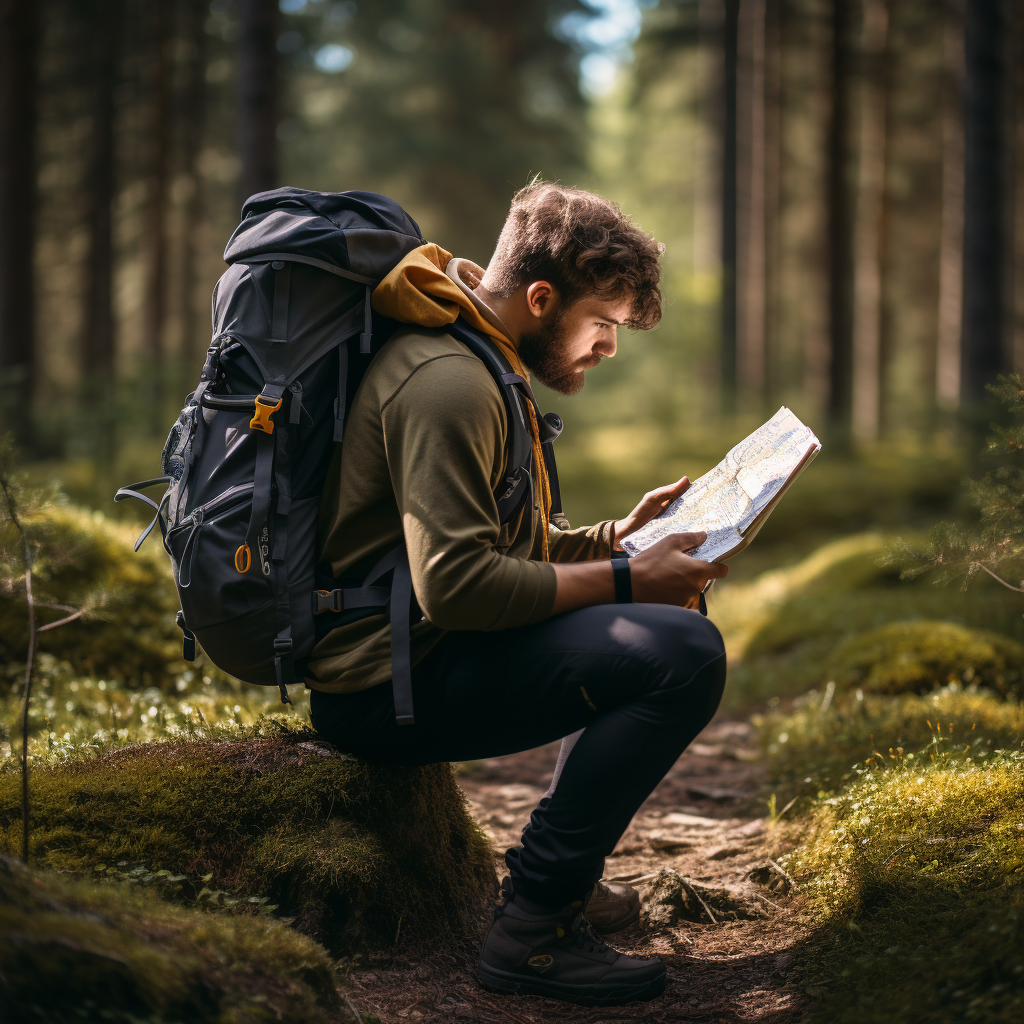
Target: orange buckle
x: 324, y: 594
x: 264, y: 410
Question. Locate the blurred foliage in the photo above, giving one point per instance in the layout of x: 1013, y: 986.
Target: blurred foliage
x: 347, y: 849
x: 84, y: 561
x: 75, y: 950
x: 994, y: 544
x: 915, y: 881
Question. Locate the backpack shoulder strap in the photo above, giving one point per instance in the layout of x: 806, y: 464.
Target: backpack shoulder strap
x: 517, y: 485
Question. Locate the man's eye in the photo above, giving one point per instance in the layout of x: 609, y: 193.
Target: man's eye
x: 601, y: 325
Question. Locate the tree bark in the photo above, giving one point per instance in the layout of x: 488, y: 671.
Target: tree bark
x: 257, y: 96
x: 867, y: 302
x: 18, y: 56
x: 97, y: 346
x: 193, y: 125
x: 839, y: 233
x: 951, y: 232
x: 155, y: 305
x: 751, y: 263
x: 984, y: 354
x: 730, y: 34
x: 772, y: 194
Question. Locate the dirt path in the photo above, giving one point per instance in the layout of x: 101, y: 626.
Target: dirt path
x: 702, y: 822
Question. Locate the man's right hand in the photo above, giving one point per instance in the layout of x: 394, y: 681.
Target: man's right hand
x: 665, y: 574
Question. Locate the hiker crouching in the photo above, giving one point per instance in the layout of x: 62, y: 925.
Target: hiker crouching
x: 522, y: 630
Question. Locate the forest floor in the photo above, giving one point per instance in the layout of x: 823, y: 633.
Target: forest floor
x: 705, y: 821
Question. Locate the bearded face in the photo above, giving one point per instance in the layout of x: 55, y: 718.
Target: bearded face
x: 548, y: 355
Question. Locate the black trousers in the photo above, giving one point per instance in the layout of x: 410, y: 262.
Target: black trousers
x: 641, y: 680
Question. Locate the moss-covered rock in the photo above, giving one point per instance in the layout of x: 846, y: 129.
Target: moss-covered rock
x: 915, y: 657
x: 86, y: 561
x: 73, y: 951
x: 361, y: 856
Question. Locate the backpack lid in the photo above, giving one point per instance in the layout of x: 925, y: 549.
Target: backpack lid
x: 359, y: 233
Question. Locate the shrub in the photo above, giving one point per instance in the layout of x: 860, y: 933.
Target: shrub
x: 360, y: 856
x: 914, y: 657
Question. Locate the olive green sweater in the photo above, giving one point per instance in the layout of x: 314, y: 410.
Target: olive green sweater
x: 424, y: 450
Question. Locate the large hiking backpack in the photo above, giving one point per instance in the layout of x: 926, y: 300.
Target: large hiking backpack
x: 245, y: 462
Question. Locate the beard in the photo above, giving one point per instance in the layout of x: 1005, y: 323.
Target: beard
x: 545, y: 355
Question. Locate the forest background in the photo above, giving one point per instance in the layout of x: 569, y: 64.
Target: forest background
x: 836, y: 185
x: 840, y: 188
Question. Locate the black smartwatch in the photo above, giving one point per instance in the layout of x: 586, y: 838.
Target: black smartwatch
x: 621, y: 578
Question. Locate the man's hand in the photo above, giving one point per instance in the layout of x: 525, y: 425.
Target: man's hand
x: 650, y: 505
x: 665, y: 574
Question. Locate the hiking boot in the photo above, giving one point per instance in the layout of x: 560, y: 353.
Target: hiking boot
x: 612, y: 906
x: 535, y: 951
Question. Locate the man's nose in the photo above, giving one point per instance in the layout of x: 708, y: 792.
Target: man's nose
x: 608, y: 346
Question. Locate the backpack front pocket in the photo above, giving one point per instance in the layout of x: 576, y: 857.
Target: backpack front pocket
x: 218, y: 576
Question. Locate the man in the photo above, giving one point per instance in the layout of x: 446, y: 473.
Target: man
x: 522, y: 641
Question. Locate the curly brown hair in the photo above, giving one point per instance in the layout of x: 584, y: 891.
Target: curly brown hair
x: 582, y: 244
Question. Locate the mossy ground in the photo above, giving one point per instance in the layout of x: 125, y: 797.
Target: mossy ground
x: 359, y: 856
x: 77, y: 951
x: 915, y: 879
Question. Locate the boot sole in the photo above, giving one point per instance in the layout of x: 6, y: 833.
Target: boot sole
x: 508, y: 983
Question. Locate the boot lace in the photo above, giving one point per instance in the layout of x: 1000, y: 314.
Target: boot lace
x: 585, y: 938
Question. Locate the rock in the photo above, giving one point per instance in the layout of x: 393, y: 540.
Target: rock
x: 673, y: 898
x: 667, y: 843
x: 690, y: 822
x: 752, y: 828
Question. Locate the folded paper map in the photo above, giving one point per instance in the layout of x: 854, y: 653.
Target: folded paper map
x: 732, y: 502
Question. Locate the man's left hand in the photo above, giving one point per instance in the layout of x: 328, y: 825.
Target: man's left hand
x: 650, y: 505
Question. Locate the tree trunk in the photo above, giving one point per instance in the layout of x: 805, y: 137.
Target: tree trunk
x: 751, y: 268
x: 772, y: 194
x: 984, y: 353
x: 155, y: 243
x: 1015, y: 128
x: 867, y: 303
x: 257, y: 96
x: 97, y: 349
x: 730, y: 33
x: 951, y: 238
x: 193, y: 125
x: 18, y: 49
x: 839, y: 240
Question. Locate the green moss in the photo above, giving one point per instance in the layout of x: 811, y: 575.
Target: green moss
x: 915, y: 880
x: 810, y: 749
x: 86, y: 561
x: 358, y: 855
x: 72, y: 951
x: 914, y: 657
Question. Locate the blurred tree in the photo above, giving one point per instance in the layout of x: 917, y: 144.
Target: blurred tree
x: 453, y: 104
x: 18, y: 84
x: 258, y: 85
x: 951, y: 265
x: 868, y: 240
x: 839, y: 235
x: 97, y: 341
x: 155, y: 227
x: 191, y: 121
x: 730, y: 44
x: 984, y: 351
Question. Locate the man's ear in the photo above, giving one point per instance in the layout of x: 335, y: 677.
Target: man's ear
x: 542, y: 298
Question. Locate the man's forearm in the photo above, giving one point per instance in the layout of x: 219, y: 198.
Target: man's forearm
x: 581, y: 584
